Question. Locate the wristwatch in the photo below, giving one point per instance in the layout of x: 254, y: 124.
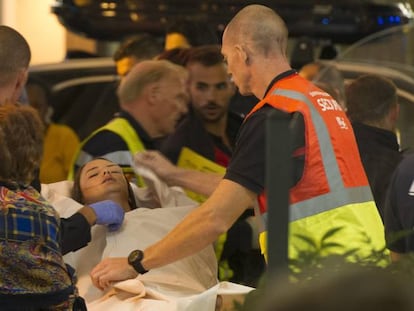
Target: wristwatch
x: 134, y: 259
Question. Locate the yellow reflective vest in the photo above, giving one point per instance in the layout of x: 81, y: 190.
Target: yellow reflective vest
x: 121, y: 127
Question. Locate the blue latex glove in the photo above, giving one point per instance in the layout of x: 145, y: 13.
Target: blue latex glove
x: 108, y: 213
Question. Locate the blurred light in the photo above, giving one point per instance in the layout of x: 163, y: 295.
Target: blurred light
x: 108, y: 5
x: 380, y: 20
x: 134, y: 17
x: 82, y: 3
x: 325, y: 21
x: 406, y: 9
x: 108, y: 13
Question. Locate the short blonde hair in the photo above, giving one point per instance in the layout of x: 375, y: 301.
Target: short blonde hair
x: 145, y: 73
x: 21, y: 140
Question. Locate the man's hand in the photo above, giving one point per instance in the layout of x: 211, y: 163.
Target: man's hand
x: 112, y: 270
x: 108, y: 213
x: 158, y: 163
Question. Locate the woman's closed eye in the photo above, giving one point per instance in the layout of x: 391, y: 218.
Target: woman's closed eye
x: 92, y: 175
x: 116, y: 171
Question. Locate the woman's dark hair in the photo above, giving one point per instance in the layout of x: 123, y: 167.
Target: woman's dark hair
x: 77, y: 194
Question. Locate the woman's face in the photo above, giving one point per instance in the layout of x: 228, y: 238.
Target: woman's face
x: 102, y: 180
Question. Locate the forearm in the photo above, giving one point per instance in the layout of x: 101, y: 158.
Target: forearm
x: 201, y: 227
x: 200, y: 182
x: 89, y: 214
x: 75, y: 233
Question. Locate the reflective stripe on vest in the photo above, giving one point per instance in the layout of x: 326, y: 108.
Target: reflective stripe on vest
x: 123, y: 129
x: 339, y: 195
x: 349, y: 207
x: 119, y: 157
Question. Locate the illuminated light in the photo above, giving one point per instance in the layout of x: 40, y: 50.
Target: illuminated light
x: 83, y: 2
x: 391, y: 19
x: 380, y: 20
x: 325, y: 21
x: 398, y: 19
x: 108, y: 5
x: 406, y: 9
x: 134, y: 17
x: 109, y: 13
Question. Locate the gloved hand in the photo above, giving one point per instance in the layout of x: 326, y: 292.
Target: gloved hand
x: 108, y: 213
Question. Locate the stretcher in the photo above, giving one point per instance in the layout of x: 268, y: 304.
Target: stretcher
x: 188, y: 284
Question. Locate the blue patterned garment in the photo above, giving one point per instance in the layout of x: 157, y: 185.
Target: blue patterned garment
x: 31, y: 264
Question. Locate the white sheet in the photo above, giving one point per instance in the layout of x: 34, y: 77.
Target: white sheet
x: 188, y: 284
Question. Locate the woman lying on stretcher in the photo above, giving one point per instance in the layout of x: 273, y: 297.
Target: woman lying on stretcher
x: 101, y: 179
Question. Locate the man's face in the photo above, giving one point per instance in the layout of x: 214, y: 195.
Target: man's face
x: 171, y: 103
x: 210, y: 91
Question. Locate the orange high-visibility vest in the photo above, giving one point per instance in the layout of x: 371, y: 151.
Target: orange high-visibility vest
x: 334, y: 191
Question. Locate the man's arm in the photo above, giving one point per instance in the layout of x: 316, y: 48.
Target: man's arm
x: 200, y: 182
x: 199, y: 229
x: 76, y: 230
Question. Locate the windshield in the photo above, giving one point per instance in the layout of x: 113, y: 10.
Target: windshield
x: 392, y: 48
x: 388, y: 53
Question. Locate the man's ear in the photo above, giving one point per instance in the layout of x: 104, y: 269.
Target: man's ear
x: 152, y: 93
x: 21, y: 80
x: 244, y: 56
x: 22, y: 77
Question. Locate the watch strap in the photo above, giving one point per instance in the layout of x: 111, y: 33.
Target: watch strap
x: 138, y: 255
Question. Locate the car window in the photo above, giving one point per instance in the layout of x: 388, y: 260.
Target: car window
x: 85, y: 106
x: 388, y: 53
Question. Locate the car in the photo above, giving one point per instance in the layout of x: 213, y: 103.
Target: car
x: 82, y: 91
x: 337, y: 20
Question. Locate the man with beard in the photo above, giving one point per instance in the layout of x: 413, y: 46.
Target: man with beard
x: 204, y: 141
x: 209, y: 129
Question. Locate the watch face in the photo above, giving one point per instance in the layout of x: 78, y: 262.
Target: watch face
x: 135, y: 256
x: 134, y: 259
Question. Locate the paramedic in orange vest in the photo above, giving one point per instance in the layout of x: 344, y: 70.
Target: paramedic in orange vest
x: 331, y: 189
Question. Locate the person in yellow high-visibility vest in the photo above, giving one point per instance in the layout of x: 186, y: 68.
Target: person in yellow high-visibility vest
x: 330, y: 191
x: 152, y: 98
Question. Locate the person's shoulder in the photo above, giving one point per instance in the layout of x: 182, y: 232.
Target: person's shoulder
x: 235, y: 118
x: 407, y: 163
x: 260, y: 114
x: 63, y: 130
x: 102, y: 142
